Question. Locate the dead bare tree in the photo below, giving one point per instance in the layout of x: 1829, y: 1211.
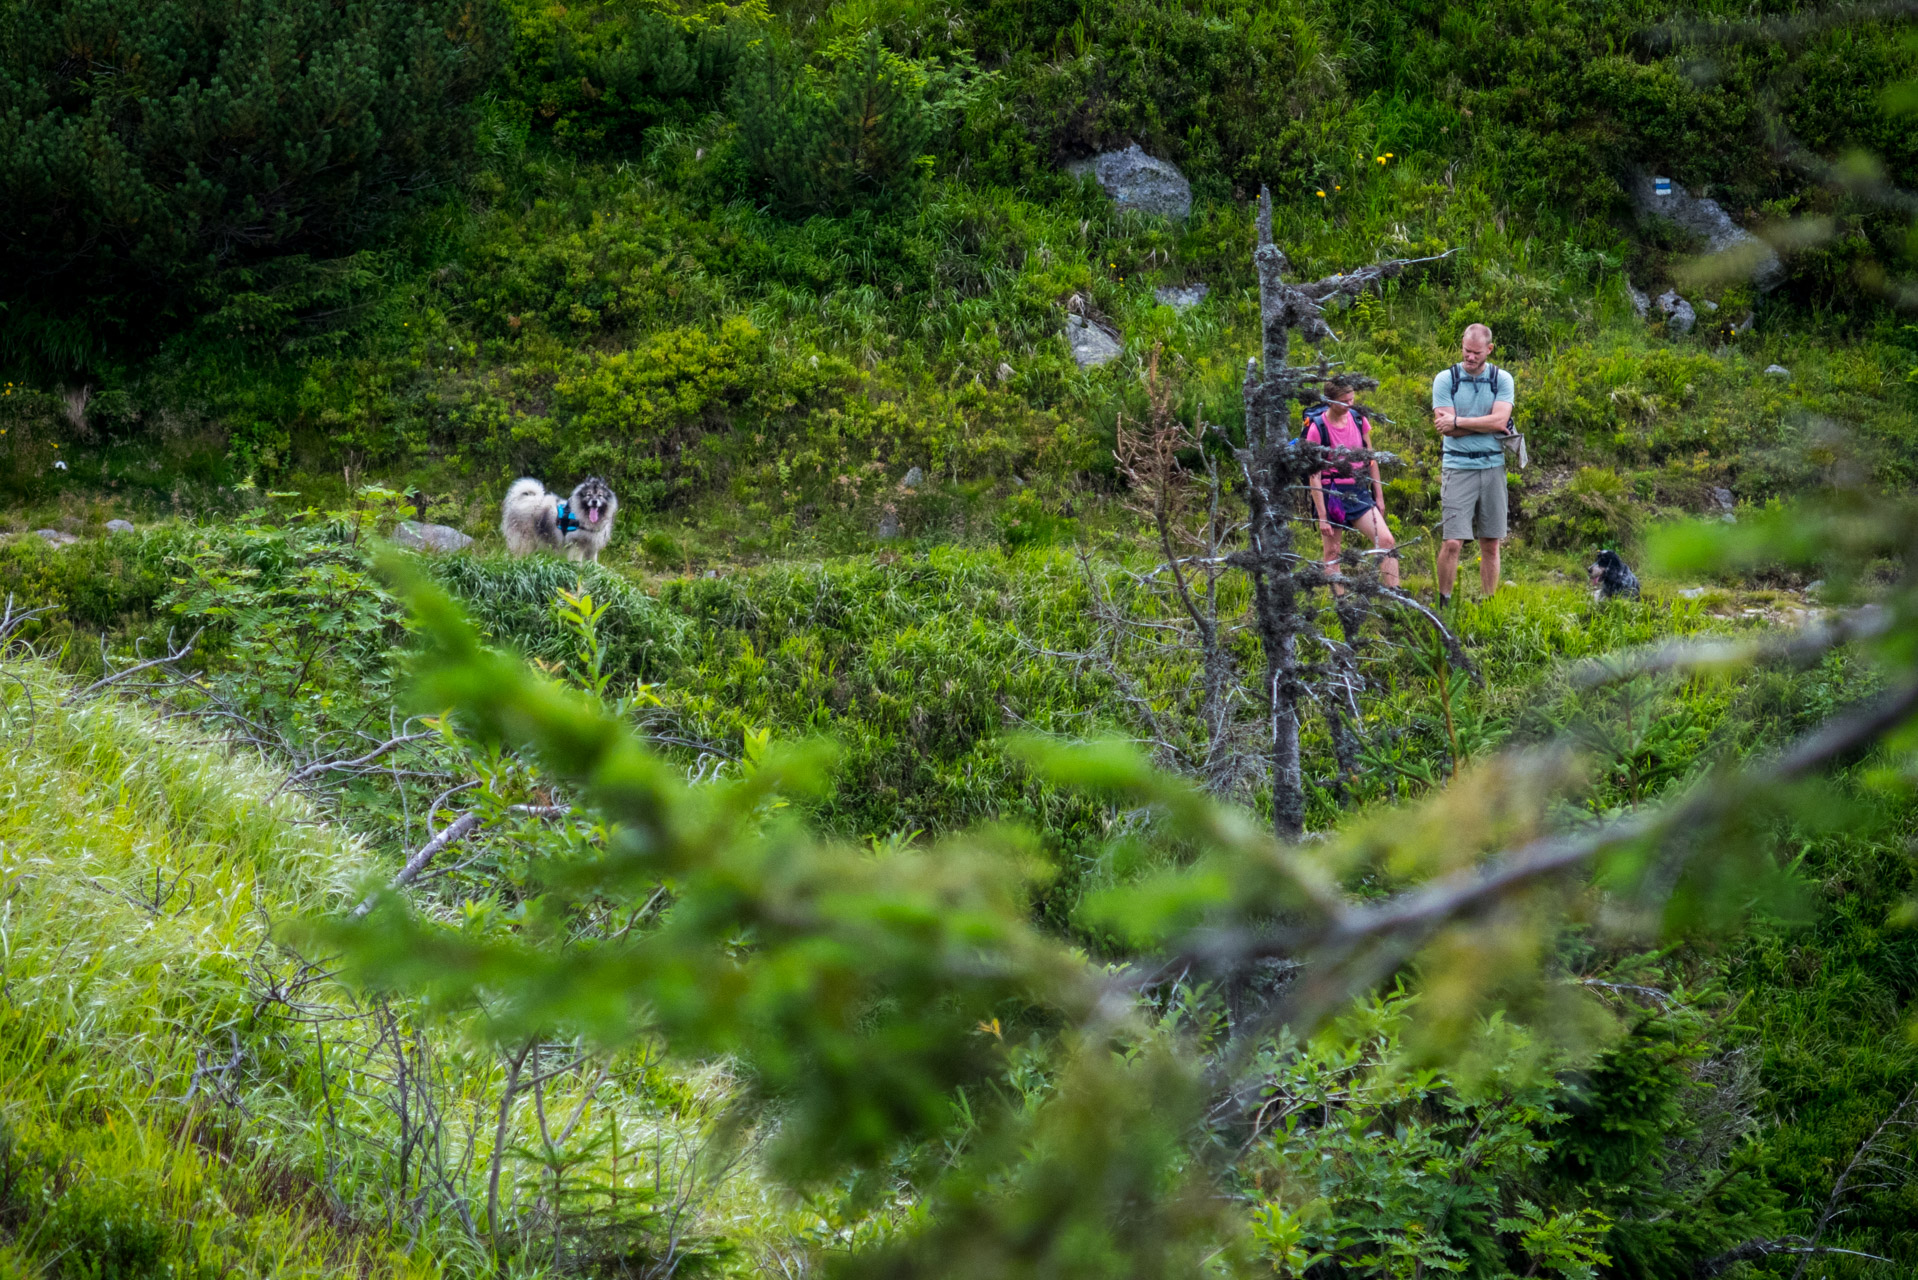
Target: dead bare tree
x: 1195, y: 538
x: 1274, y: 469
x: 1199, y: 538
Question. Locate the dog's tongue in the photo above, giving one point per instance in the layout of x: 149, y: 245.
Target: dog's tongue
x: 592, y: 515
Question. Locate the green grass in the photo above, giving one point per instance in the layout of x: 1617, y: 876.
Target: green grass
x: 145, y: 878
x: 149, y: 882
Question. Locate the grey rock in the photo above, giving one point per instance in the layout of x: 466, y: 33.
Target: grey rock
x: 1004, y: 372
x: 1723, y: 497
x: 430, y: 537
x: 888, y: 525
x: 1136, y: 180
x: 914, y: 478
x: 1679, y: 316
x: 1704, y: 217
x: 1091, y: 345
x: 1778, y: 371
x: 119, y: 526
x: 1692, y: 593
x: 55, y: 538
x: 1182, y: 296
x: 1640, y: 302
x: 1709, y: 305
x: 1745, y: 325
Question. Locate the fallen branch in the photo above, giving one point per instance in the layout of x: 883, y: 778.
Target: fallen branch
x: 319, y: 767
x: 116, y: 677
x: 1863, y: 1156
x: 1754, y: 1250
x: 203, y: 1067
x: 456, y: 831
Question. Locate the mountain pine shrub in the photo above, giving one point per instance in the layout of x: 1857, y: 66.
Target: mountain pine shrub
x: 147, y: 145
x: 827, y: 140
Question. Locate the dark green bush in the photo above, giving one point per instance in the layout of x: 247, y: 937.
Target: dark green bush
x: 105, y: 1231
x: 1592, y: 511
x: 146, y: 145
x: 596, y: 76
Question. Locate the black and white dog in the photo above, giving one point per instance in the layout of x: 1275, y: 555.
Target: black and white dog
x: 532, y: 519
x: 1611, y: 577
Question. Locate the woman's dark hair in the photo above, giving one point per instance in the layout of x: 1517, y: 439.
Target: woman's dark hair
x: 1340, y: 383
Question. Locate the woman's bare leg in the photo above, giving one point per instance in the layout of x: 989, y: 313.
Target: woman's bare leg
x: 1331, y: 543
x: 1373, y: 526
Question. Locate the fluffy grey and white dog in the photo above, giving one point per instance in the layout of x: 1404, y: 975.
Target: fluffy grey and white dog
x: 534, y: 520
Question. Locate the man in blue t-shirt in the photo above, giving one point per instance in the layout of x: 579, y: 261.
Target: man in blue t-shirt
x: 1472, y: 408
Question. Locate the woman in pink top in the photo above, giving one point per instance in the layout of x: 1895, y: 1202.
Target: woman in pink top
x: 1341, y: 498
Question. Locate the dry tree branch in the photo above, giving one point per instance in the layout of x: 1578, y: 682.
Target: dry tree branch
x: 1354, y: 947
x: 1799, y: 648
x: 1754, y: 1250
x: 116, y: 677
x: 1862, y: 1156
x: 318, y: 767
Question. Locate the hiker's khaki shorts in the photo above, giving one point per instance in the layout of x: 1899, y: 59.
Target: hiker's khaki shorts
x: 1474, y: 503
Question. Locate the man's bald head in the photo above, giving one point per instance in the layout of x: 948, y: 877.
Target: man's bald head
x: 1476, y: 346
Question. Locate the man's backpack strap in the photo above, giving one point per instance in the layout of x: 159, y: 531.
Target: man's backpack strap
x: 1458, y: 373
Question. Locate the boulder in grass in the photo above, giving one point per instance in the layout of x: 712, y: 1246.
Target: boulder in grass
x: 1679, y: 316
x: 430, y: 537
x: 119, y: 526
x: 1182, y: 296
x: 1091, y: 345
x: 1136, y: 180
x: 57, y: 539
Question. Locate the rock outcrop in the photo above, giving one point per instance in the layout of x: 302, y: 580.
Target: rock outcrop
x: 1181, y: 296
x: 1679, y: 316
x: 1743, y: 254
